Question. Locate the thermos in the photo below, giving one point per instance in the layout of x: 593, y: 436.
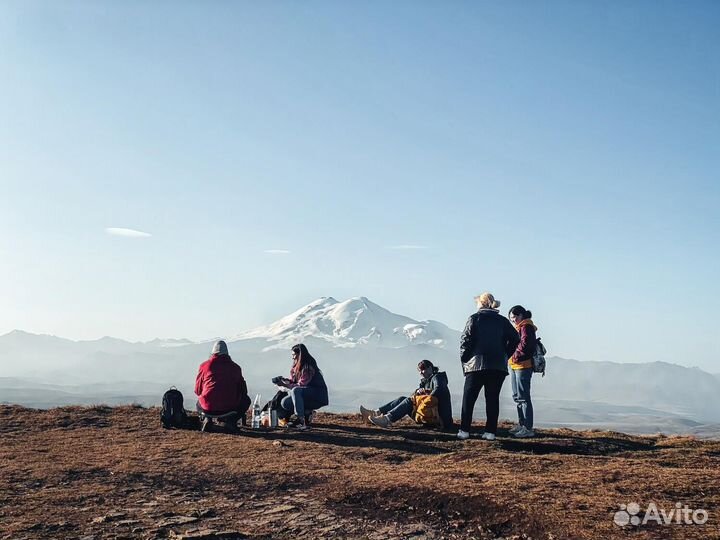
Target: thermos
x: 256, y: 412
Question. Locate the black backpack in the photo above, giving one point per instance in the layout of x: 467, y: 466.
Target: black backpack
x: 173, y: 413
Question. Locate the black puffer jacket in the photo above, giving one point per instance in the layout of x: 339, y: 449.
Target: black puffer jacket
x: 487, y: 342
x: 438, y: 386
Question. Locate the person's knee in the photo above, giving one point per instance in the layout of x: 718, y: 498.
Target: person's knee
x: 287, y: 403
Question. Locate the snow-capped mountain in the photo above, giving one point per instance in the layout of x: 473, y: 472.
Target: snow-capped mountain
x: 351, y: 323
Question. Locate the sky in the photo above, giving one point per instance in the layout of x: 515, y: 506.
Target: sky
x: 562, y: 155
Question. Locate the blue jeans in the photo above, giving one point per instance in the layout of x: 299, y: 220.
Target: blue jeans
x: 521, y: 395
x: 298, y: 400
x: 397, y: 408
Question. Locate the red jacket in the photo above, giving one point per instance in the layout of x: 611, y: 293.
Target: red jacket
x: 220, y: 384
x: 525, y: 351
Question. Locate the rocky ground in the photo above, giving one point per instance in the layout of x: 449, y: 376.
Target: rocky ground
x: 102, y: 472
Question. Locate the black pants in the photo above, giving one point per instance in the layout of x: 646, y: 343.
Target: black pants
x: 241, y: 409
x: 492, y: 380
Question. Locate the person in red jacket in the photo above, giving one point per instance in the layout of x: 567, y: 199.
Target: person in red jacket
x: 220, y: 385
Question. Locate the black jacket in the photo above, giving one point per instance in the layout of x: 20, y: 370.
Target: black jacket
x: 487, y: 342
x: 438, y: 386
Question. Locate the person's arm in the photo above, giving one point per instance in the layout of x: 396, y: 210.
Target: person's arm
x: 512, y: 338
x: 466, y: 341
x: 199, y: 382
x: 438, y: 384
x: 304, y: 378
x: 242, y: 384
x: 526, y: 348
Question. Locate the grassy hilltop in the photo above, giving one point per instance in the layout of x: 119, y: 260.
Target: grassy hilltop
x: 102, y: 472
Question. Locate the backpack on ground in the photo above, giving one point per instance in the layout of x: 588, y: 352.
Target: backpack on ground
x: 173, y: 413
x: 538, y: 360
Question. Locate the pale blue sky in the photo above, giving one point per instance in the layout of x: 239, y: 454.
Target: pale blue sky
x: 562, y: 155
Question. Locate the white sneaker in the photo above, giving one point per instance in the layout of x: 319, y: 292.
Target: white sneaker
x: 488, y: 436
x: 381, y: 421
x: 513, y: 430
x: 524, y: 433
x: 463, y: 435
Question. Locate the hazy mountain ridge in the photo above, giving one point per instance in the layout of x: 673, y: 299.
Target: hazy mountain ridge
x: 364, y: 350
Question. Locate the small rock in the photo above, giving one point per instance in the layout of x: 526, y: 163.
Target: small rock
x: 177, y: 520
x: 281, y: 508
x: 199, y: 534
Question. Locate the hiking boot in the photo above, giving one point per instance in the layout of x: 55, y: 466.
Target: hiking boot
x: 381, y: 421
x: 367, y: 414
x: 463, y: 435
x: 488, y: 436
x: 524, y: 433
x: 301, y: 425
x: 513, y: 430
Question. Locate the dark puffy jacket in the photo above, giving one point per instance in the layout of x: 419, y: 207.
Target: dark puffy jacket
x: 220, y: 385
x: 438, y: 386
x: 319, y: 389
x: 487, y: 342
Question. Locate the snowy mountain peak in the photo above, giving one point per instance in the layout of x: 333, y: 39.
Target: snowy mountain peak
x: 351, y: 323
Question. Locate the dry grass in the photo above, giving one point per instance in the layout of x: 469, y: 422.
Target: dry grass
x: 102, y: 472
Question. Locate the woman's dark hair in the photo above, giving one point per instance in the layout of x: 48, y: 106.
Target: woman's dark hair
x: 519, y: 310
x: 424, y: 364
x: 304, y: 357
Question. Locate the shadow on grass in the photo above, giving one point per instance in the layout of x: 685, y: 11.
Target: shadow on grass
x: 350, y: 437
x: 582, y: 446
x: 416, y: 439
x: 474, y: 513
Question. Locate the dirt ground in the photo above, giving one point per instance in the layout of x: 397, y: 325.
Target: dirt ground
x: 102, y: 472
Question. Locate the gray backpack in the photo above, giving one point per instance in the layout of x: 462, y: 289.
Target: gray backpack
x: 539, y: 358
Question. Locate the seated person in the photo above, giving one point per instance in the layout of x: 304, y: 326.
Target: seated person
x: 433, y: 383
x: 306, y: 388
x: 220, y: 385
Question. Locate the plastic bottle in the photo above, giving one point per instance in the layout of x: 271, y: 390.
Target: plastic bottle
x: 256, y: 412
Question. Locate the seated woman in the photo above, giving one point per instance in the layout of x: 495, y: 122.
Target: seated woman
x: 433, y: 383
x: 220, y: 385
x: 306, y: 388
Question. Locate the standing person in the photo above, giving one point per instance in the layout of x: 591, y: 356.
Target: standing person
x: 306, y: 386
x: 220, y: 385
x: 433, y: 382
x: 521, y: 370
x: 487, y: 342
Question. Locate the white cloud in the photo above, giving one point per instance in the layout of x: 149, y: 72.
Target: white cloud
x: 127, y: 233
x: 407, y: 247
x: 277, y: 251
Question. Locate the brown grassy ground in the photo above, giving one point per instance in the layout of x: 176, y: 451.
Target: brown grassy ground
x: 104, y: 472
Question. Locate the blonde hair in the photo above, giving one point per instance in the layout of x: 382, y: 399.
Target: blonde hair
x: 487, y: 300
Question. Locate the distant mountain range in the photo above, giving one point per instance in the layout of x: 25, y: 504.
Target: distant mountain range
x: 366, y: 352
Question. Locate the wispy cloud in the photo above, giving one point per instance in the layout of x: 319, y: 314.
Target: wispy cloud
x: 277, y: 251
x: 407, y: 247
x: 127, y: 233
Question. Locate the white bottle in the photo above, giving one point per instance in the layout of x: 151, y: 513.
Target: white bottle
x: 256, y: 412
